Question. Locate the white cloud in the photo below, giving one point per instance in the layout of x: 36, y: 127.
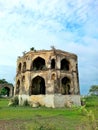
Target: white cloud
x: 69, y: 25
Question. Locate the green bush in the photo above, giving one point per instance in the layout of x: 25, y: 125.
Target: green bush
x: 3, y: 91
x: 91, y: 101
x: 90, y: 118
x: 14, y: 101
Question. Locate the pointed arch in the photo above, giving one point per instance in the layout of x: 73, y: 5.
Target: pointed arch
x: 38, y: 64
x: 65, y: 88
x: 38, y: 86
x: 65, y: 64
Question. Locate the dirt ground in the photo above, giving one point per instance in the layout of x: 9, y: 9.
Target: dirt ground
x: 12, y: 125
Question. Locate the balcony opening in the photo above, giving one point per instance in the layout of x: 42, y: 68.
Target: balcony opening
x: 39, y: 64
x: 64, y: 65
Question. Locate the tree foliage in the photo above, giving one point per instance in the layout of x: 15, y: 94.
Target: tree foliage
x: 32, y: 49
x: 3, y: 91
x: 94, y: 90
x: 2, y: 81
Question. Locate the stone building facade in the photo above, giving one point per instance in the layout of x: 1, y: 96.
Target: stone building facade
x: 48, y: 77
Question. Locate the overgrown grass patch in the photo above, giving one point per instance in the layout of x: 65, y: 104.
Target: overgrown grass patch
x: 42, y: 118
x: 91, y: 101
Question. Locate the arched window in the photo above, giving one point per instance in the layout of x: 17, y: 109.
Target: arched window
x: 24, y: 66
x: 39, y: 64
x: 19, y: 67
x: 65, y: 86
x: 23, y: 80
x: 53, y: 64
x: 64, y: 64
x: 18, y: 87
x: 38, y: 86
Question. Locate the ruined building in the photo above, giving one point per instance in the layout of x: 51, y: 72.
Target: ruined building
x: 48, y: 77
x: 8, y: 87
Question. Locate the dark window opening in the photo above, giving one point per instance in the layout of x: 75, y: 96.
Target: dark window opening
x: 19, y: 67
x: 24, y: 66
x: 39, y: 64
x: 38, y: 86
x: 18, y: 87
x: 53, y: 64
x: 64, y: 65
x: 65, y: 86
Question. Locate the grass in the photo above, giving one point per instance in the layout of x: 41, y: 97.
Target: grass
x: 92, y: 104
x: 28, y: 118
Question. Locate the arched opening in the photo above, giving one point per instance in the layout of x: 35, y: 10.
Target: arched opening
x: 65, y: 89
x: 38, y: 86
x: 17, y: 87
x: 39, y: 64
x: 53, y: 76
x: 7, y: 91
x: 23, y: 80
x: 64, y: 64
x: 24, y: 66
x: 53, y: 64
x: 19, y: 67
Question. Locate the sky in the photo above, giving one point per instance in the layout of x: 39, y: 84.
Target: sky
x: 69, y: 25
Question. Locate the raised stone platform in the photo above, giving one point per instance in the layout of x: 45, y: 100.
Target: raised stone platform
x: 54, y: 101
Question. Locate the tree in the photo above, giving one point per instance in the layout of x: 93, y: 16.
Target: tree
x: 94, y: 90
x: 32, y: 49
x: 2, y: 81
x: 3, y: 91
